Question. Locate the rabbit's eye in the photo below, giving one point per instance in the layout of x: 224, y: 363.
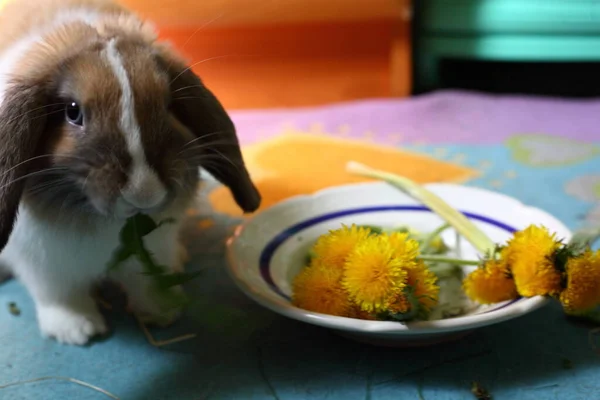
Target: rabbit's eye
x: 74, y: 114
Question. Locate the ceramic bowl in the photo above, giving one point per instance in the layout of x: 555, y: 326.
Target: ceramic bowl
x: 268, y: 250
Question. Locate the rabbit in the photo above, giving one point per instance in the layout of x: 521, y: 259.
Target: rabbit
x: 99, y: 120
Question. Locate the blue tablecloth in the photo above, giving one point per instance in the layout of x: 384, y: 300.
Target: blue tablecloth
x: 245, y: 352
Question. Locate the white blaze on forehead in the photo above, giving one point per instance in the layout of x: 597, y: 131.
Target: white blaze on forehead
x: 144, y: 189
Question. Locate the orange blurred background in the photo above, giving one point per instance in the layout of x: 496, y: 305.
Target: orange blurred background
x: 289, y: 53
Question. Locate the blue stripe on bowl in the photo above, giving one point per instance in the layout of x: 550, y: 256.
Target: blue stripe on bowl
x: 267, y: 253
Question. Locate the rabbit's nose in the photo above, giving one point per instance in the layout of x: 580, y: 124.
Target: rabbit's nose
x: 144, y: 190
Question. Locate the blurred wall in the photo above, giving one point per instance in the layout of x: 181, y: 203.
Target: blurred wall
x: 284, y: 53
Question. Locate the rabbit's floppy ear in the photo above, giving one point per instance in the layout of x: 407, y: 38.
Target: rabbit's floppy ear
x: 200, y: 111
x: 22, y: 121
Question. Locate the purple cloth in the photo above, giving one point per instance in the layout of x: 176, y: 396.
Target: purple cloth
x: 442, y: 117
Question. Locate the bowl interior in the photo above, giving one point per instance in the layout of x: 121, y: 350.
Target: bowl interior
x: 285, y: 255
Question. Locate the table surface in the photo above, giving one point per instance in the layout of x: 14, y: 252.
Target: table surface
x: 544, y: 152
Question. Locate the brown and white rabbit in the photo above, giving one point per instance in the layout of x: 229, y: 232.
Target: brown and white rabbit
x: 98, y: 121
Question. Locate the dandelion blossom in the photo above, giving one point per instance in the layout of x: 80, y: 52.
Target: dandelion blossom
x: 530, y: 254
x: 582, y: 291
x: 332, y: 248
x: 405, y: 248
x: 490, y: 283
x: 374, y: 273
x: 421, y: 291
x: 318, y: 288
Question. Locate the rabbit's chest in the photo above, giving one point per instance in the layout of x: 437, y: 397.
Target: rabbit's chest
x: 61, y: 246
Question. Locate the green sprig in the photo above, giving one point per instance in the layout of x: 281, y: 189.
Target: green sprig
x: 131, y: 238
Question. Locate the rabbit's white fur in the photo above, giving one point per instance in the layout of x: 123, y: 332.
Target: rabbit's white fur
x: 59, y: 265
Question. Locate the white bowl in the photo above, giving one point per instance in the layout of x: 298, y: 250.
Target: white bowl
x: 268, y: 250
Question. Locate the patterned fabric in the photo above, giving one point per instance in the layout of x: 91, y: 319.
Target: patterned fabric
x: 545, y: 152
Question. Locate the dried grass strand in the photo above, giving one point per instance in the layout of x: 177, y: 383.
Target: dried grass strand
x: 62, y: 378
x: 161, y: 343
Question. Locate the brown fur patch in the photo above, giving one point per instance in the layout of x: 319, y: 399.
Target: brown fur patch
x: 202, y: 113
x: 62, y: 143
x: 22, y: 120
x: 43, y: 58
x: 20, y: 17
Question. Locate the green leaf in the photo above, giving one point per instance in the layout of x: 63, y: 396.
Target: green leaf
x: 583, y: 239
x: 309, y: 257
x: 136, y: 227
x: 140, y: 225
x: 121, y: 254
x: 374, y: 229
x: 144, y: 224
x: 132, y: 244
x: 404, y: 229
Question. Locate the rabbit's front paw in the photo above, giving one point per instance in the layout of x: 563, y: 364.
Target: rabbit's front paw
x: 69, y: 325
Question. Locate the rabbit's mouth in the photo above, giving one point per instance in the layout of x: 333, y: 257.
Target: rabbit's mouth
x: 118, y: 207
x: 122, y: 209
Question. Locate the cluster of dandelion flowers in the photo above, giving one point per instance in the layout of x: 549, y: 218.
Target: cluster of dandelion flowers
x: 535, y: 263
x: 365, y: 276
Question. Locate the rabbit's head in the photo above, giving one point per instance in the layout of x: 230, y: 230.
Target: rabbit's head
x: 105, y: 120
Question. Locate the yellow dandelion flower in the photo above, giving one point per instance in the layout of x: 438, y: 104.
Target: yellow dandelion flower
x: 318, y: 288
x: 530, y: 256
x: 491, y: 283
x: 405, y: 248
x: 374, y: 273
x: 332, y: 248
x: 582, y: 292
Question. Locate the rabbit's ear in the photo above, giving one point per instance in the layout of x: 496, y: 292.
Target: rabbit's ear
x: 200, y: 111
x: 22, y: 121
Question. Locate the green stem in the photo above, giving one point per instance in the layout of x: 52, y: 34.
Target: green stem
x: 448, y: 260
x: 444, y: 271
x: 453, y: 217
x: 431, y: 237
